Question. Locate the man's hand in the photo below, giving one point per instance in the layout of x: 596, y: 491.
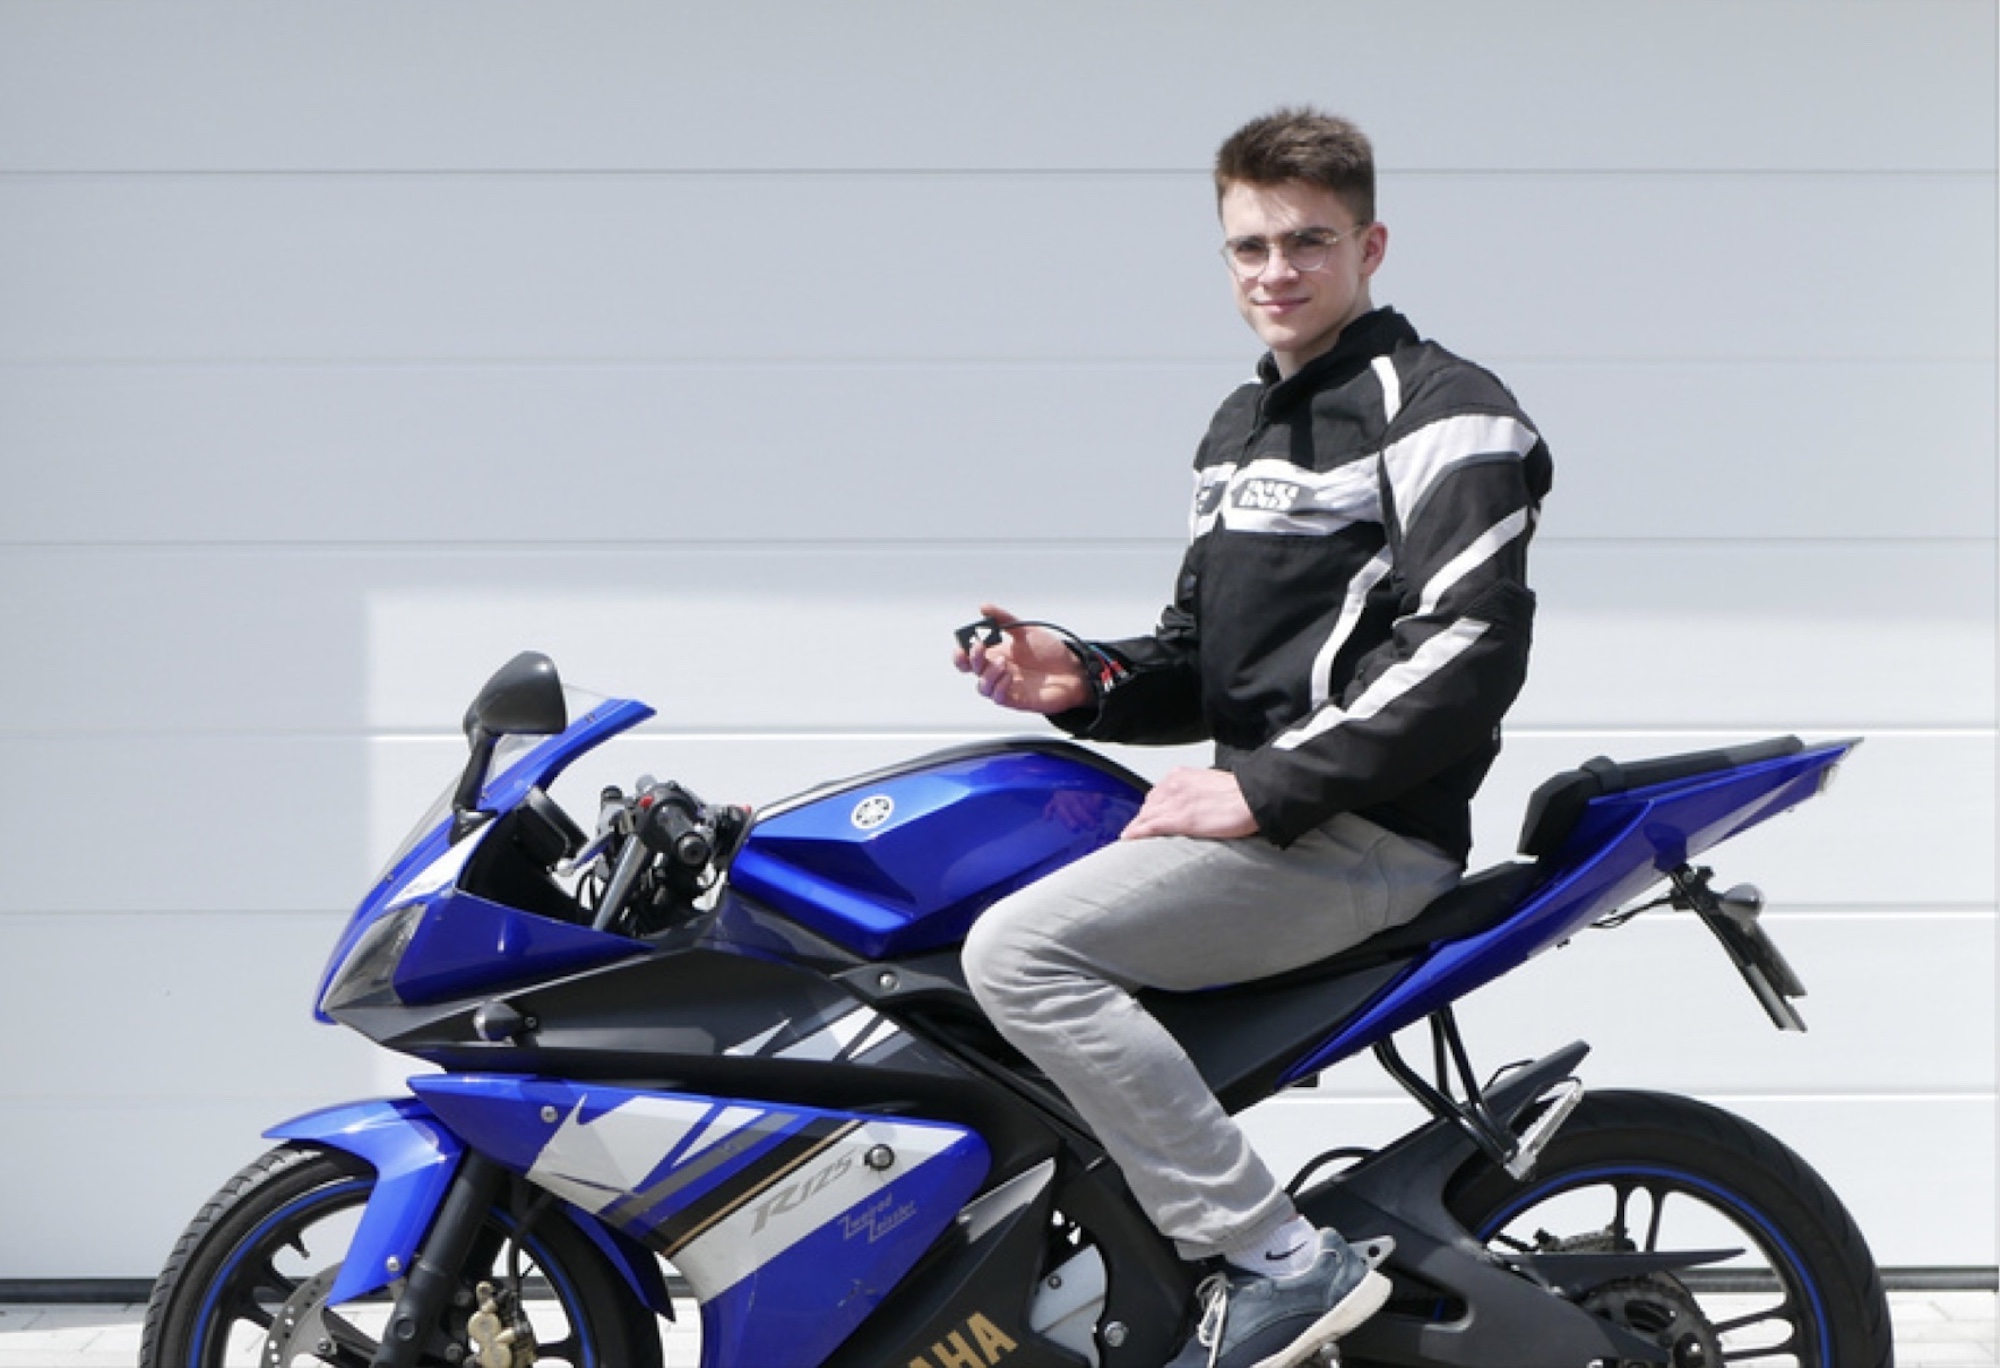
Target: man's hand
x: 1206, y: 803
x: 1028, y: 669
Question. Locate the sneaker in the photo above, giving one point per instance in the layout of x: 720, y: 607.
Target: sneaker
x: 1249, y: 1321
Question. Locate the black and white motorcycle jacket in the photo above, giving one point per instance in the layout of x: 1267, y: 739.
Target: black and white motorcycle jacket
x: 1352, y: 616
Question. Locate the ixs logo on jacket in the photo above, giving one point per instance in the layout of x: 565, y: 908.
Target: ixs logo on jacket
x: 978, y: 1343
x: 1274, y: 497
x: 1270, y: 496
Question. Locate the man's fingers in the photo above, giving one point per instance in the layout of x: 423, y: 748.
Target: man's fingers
x: 994, y: 678
x: 1202, y: 803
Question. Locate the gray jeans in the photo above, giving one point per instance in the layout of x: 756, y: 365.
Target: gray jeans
x: 1055, y: 966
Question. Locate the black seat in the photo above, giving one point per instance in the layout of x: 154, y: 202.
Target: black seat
x: 1244, y: 1036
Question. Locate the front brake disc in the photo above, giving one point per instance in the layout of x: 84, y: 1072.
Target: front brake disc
x: 305, y: 1332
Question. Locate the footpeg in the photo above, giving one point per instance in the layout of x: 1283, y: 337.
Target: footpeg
x: 1374, y: 1252
x: 1562, y: 1102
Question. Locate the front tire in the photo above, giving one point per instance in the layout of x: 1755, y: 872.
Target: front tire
x: 246, y: 1282
x: 1649, y: 1171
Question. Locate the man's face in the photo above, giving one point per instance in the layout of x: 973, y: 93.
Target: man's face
x: 1298, y: 313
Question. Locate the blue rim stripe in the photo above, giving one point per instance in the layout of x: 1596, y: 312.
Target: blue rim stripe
x: 1728, y: 1199
x: 557, y: 1276
x: 305, y: 1202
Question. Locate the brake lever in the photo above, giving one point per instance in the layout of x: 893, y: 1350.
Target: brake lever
x: 612, y: 822
x: 588, y: 856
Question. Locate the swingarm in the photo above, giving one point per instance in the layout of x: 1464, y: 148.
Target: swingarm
x: 1524, y: 1298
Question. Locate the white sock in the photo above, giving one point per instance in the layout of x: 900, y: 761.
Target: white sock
x: 1288, y: 1250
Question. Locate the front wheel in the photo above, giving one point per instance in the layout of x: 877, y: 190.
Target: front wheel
x: 1652, y: 1172
x: 247, y: 1283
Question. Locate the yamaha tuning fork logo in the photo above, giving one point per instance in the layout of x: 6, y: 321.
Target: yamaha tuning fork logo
x: 872, y: 811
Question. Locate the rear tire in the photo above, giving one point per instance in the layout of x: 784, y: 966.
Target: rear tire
x: 1652, y: 1171
x: 259, y: 1256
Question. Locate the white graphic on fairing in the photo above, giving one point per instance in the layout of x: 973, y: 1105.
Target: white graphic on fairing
x: 617, y: 1164
x: 836, y: 1181
x: 600, y: 1162
x: 851, y: 1035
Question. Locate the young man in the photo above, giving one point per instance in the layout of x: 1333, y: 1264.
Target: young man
x: 1350, y: 622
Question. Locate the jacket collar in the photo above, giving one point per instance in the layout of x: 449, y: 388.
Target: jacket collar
x: 1374, y: 334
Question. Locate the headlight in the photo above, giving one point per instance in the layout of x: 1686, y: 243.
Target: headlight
x: 367, y: 977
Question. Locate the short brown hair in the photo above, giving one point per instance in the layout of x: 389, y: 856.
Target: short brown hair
x: 1301, y: 144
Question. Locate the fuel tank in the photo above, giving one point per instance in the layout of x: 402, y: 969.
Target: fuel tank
x: 904, y: 860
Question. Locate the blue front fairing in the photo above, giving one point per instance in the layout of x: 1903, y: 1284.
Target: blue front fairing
x: 807, y: 1215
x: 475, y: 943
x: 415, y: 1158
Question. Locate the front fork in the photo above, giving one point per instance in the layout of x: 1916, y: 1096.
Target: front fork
x: 434, y: 1277
x: 431, y: 1196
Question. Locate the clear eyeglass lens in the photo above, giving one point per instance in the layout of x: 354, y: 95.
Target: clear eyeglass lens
x: 1305, y: 251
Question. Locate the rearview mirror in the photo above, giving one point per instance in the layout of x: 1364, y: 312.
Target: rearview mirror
x: 523, y: 698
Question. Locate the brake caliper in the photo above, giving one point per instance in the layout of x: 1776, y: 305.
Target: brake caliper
x: 501, y: 1336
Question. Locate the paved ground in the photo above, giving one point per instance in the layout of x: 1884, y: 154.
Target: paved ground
x: 1933, y: 1330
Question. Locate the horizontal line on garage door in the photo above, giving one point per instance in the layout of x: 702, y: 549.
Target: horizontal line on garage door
x: 953, y: 737
x: 1237, y: 362
x: 1791, y: 912
x: 1981, y: 1099
x: 1310, y: 1096
x: 874, y: 545
x: 1092, y: 173
x: 1706, y: 735
x: 1870, y: 911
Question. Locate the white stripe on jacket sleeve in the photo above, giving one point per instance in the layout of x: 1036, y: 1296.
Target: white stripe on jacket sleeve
x: 1416, y: 463
x: 1400, y: 679
x: 1484, y: 549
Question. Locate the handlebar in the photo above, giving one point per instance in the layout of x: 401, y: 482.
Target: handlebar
x: 672, y: 822
x: 664, y: 823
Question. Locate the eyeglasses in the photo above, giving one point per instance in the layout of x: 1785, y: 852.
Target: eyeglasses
x: 1307, y: 249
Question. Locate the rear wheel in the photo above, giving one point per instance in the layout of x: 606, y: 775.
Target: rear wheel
x: 247, y: 1283
x: 1652, y: 1172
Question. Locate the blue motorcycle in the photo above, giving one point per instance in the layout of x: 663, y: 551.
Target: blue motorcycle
x: 742, y: 1046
